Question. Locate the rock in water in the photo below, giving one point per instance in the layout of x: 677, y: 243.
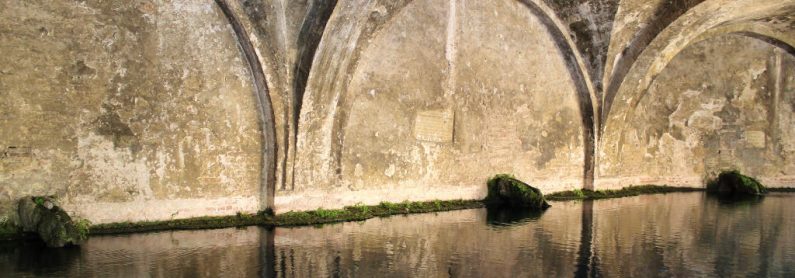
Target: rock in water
x: 43, y: 216
x: 505, y: 190
x: 734, y: 184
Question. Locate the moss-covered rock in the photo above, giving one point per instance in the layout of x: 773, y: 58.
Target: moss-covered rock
x: 43, y: 216
x: 505, y: 190
x: 8, y: 230
x: 735, y: 184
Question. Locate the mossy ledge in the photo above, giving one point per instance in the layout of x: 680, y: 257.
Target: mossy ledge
x: 624, y: 192
x: 352, y: 213
x: 303, y: 218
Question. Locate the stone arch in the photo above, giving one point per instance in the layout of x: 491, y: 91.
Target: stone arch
x: 326, y: 103
x: 264, y: 107
x: 708, y: 19
x: 630, y: 40
x: 585, y: 88
x: 340, y: 50
x: 711, y: 19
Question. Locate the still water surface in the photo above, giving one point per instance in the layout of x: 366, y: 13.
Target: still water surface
x: 681, y: 234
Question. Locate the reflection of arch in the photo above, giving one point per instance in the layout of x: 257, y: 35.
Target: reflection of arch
x: 264, y: 107
x: 709, y: 19
x: 340, y: 51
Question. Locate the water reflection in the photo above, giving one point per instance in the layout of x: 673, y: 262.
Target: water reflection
x: 684, y: 234
x: 451, y: 243
x: 585, y: 257
x: 34, y: 257
x: 503, y: 216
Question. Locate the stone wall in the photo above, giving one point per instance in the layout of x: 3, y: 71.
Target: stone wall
x: 126, y: 110
x: 153, y: 109
x: 723, y: 103
x: 441, y: 98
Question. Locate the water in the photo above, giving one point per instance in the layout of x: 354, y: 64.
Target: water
x: 682, y: 234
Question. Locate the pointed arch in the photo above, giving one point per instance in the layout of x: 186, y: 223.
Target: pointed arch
x: 756, y: 19
x: 264, y: 107
x: 348, y: 34
x: 709, y: 19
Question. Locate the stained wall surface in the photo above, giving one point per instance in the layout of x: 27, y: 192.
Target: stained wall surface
x: 126, y: 110
x: 149, y: 110
x: 721, y: 104
x: 442, y: 98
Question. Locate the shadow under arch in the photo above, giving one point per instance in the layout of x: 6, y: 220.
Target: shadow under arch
x: 264, y: 107
x: 342, y: 101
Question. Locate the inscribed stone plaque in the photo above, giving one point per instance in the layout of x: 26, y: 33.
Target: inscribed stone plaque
x: 14, y: 151
x: 755, y: 138
x: 434, y: 126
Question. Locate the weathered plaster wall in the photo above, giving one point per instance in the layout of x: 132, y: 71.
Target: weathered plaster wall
x: 723, y: 103
x: 442, y: 97
x: 286, y: 34
x: 126, y: 110
x: 149, y: 110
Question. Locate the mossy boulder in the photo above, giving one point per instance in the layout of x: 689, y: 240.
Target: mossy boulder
x: 43, y: 216
x: 735, y: 184
x: 505, y: 190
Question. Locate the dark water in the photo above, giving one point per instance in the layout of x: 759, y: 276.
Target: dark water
x: 683, y: 234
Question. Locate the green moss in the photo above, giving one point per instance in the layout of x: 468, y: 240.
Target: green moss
x: 301, y: 218
x: 578, y: 194
x: 83, y: 227
x: 781, y: 189
x: 388, y: 206
x: 734, y: 183
x: 39, y: 201
x: 8, y: 230
x: 505, y: 190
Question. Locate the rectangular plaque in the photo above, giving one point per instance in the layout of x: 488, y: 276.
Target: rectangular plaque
x: 755, y: 138
x: 434, y: 126
x: 16, y: 151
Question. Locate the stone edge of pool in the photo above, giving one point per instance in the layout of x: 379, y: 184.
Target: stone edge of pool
x: 351, y: 213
